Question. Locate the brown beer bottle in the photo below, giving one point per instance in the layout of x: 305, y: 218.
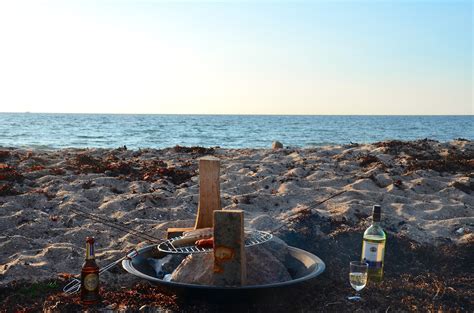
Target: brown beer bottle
x: 90, y: 276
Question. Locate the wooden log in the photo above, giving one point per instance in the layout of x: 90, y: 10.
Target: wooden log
x: 229, y: 248
x: 176, y: 231
x: 209, y: 191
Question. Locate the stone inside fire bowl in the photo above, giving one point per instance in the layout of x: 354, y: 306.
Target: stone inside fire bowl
x: 302, y: 265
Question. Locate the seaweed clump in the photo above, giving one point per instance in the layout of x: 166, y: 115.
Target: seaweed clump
x: 430, y: 155
x: 451, y: 163
x: 193, y: 150
x: 424, y: 149
x: 133, y: 169
x: 368, y: 160
x: 158, y: 169
x: 4, y: 154
x: 85, y: 163
x: 8, y: 190
x: 9, y: 173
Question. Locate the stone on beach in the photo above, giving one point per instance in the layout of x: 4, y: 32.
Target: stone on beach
x: 277, y: 145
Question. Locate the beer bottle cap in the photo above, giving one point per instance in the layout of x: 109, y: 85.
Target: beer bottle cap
x: 377, y: 213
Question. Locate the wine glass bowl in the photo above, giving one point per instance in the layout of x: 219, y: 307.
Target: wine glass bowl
x: 358, y: 277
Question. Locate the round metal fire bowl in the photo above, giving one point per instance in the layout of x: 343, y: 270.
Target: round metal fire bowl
x: 302, y: 265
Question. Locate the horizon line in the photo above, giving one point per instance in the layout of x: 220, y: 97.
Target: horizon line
x: 232, y: 114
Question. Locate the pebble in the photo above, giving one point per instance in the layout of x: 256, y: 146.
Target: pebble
x: 277, y: 145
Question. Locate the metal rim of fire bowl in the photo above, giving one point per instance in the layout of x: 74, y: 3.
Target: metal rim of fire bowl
x: 315, y: 266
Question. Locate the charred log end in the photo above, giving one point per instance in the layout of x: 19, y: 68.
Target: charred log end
x: 229, y: 252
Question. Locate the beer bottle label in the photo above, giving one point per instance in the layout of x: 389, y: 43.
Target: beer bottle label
x: 91, y: 282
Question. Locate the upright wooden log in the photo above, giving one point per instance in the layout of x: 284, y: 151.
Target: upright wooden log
x: 209, y: 191
x: 229, y: 248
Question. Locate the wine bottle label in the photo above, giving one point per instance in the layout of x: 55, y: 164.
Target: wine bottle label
x: 91, y: 282
x: 372, y: 253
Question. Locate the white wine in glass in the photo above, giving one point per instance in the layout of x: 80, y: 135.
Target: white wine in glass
x: 358, y: 280
x: 358, y: 277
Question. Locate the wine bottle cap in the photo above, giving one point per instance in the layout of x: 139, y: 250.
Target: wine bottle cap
x: 377, y: 213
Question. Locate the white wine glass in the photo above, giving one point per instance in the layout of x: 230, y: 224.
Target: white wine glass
x: 358, y: 277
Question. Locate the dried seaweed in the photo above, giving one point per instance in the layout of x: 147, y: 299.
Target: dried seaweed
x: 194, y: 150
x: 368, y: 159
x: 120, y: 168
x: 426, y: 155
x: 57, y: 171
x: 452, y: 164
x: 85, y: 163
x: 177, y: 176
x: 417, y: 278
x: 132, y: 169
x: 9, y: 173
x: 8, y: 190
x: 35, y: 168
x: 123, y: 300
x: 4, y: 155
x: 419, y: 149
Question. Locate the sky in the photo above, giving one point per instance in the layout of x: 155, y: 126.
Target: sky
x: 237, y: 57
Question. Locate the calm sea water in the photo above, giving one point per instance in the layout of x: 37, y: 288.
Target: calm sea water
x: 230, y: 131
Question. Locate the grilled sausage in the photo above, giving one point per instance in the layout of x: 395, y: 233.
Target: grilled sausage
x: 205, y: 243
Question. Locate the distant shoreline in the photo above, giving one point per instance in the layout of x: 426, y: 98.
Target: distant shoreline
x: 347, y: 145
x: 230, y: 114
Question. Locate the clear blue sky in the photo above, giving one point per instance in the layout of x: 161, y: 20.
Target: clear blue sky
x: 256, y: 57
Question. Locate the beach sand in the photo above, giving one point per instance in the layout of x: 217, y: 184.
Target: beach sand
x: 425, y: 188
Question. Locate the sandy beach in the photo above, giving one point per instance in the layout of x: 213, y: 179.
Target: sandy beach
x: 236, y: 156
x: 425, y: 189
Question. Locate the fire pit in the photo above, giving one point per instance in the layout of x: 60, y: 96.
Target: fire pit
x: 230, y: 261
x: 302, y: 265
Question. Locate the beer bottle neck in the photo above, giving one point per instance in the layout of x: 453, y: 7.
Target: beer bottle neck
x: 90, y: 251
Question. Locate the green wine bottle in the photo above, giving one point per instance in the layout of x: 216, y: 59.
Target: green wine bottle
x: 373, y: 247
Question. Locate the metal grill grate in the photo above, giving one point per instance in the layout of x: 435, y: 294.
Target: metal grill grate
x: 252, y: 238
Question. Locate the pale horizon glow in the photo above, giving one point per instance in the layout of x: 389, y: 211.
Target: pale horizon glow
x: 262, y: 57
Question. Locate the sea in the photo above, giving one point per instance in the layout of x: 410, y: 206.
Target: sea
x: 51, y: 131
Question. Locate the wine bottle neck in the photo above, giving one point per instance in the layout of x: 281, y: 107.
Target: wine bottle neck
x: 90, y: 251
x: 376, y: 214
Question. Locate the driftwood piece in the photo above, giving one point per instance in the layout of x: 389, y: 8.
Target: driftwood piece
x: 176, y: 231
x: 209, y: 191
x: 229, y: 248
